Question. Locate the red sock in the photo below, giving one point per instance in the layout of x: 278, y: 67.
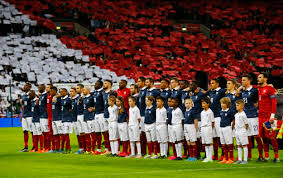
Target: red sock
x: 106, y: 140
x: 225, y: 149
x: 98, y: 140
x: 68, y: 145
x: 215, y: 146
x: 143, y: 143
x: 35, y: 139
x: 129, y: 146
x: 88, y: 142
x: 259, y: 146
x: 274, y: 144
x: 56, y: 141
x: 79, y: 141
x: 119, y: 145
x: 250, y: 148
x: 190, y: 147
x: 53, y: 142
x: 26, y: 136
x: 266, y: 147
x: 41, y: 139
x: 174, y: 150
x: 231, y: 152
x: 83, y: 142
x: 186, y: 147
x: 149, y: 147
x: 194, y: 148
x: 198, y: 146
x: 63, y: 142
x: 155, y: 145
x: 222, y: 151
x: 93, y: 141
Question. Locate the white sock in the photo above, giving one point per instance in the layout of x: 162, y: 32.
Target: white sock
x: 245, y: 153
x: 239, y: 153
x: 162, y: 149
x: 99, y: 150
x: 139, y: 148
x: 210, y: 151
x: 106, y: 149
x: 132, y: 148
x: 165, y: 148
x: 180, y: 146
x: 206, y: 152
x: 112, y: 147
x: 177, y: 149
x: 115, y: 144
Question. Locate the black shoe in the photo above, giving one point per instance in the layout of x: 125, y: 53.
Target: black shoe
x: 198, y: 156
x: 203, y: 158
x: 110, y: 155
x: 24, y: 150
x: 177, y: 159
x: 115, y: 155
x: 259, y: 160
x: 276, y: 160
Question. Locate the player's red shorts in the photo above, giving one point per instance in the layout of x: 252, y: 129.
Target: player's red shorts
x: 262, y: 119
x: 50, y: 126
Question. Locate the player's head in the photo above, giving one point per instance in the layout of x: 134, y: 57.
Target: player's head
x: 120, y: 101
x: 123, y: 84
x: 149, y: 82
x: 141, y: 82
x: 240, y: 105
x: 262, y: 78
x: 214, y: 83
x: 73, y: 92
x: 98, y: 84
x: 246, y: 80
x: 86, y: 90
x: 188, y: 103
x: 225, y: 103
x: 159, y: 101
x: 133, y: 89
x: 174, y: 82
x: 194, y: 85
x: 53, y: 90
x: 231, y: 84
x: 111, y: 100
x: 32, y: 94
x: 183, y: 84
x: 48, y: 86
x: 63, y: 92
x: 205, y: 102
x: 132, y: 101
x: 169, y: 101
x: 41, y: 88
x: 80, y: 88
x: 27, y: 87
x: 107, y: 84
x: 175, y: 102
x: 164, y: 84
x: 149, y: 101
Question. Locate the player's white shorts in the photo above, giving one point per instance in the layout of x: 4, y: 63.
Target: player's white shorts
x: 57, y: 127
x: 91, y: 126
x: 190, y: 132
x: 206, y: 135
x: 27, y: 124
x: 253, y: 126
x: 123, y: 131
x: 170, y: 130
x: 142, y: 124
x: 134, y: 133
x: 150, y: 132
x: 67, y: 127
x: 36, y: 128
x: 100, y: 123
x: 162, y: 133
x: 85, y: 127
x: 226, y: 135
x: 80, y: 120
x: 216, y: 129
x: 44, y: 125
x: 113, y: 131
x: 199, y: 129
x: 76, y: 128
x: 177, y: 133
x: 242, y: 139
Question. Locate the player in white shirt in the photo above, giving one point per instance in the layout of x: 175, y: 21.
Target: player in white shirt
x: 241, y: 132
x: 161, y: 127
x: 207, y: 124
x: 134, y: 127
x: 177, y: 128
x: 113, y: 126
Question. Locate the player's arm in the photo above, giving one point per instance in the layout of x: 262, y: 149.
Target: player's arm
x: 196, y: 124
x: 233, y: 124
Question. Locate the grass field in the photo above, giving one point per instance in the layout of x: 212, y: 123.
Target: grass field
x: 16, y: 164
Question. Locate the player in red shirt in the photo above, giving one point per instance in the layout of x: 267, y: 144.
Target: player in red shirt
x: 49, y: 112
x: 266, y: 112
x: 124, y: 92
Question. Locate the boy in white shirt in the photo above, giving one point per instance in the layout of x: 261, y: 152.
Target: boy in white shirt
x: 113, y: 126
x: 177, y: 128
x: 241, y: 132
x: 207, y: 124
x: 161, y: 127
x: 134, y: 127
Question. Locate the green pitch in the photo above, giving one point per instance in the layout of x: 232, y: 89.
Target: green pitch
x: 15, y: 164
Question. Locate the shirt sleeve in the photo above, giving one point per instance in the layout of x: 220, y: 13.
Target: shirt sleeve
x: 245, y: 119
x: 273, y: 97
x: 212, y: 117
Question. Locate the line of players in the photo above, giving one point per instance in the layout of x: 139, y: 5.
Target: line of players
x: 146, y: 118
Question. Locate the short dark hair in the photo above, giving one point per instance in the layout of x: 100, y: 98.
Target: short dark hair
x: 175, y: 78
x: 54, y: 88
x: 167, y: 81
x: 176, y: 99
x: 135, y: 85
x: 80, y: 85
x: 159, y: 98
x: 124, y: 81
x: 29, y: 84
x: 100, y: 82
x: 248, y: 76
x: 207, y: 100
x: 216, y: 80
x: 150, y: 79
x: 64, y: 89
x: 132, y: 98
x: 142, y: 79
x: 240, y: 101
x: 265, y: 74
x: 185, y: 81
x: 195, y: 82
x: 110, y: 81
